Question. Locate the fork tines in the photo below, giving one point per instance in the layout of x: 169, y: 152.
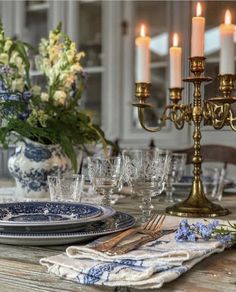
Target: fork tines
x: 154, y: 222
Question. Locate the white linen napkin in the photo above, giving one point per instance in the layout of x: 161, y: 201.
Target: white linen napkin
x: 150, y: 266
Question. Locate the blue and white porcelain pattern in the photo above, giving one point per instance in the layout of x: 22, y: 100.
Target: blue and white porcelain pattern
x: 46, y: 216
x: 118, y: 222
x: 30, y: 165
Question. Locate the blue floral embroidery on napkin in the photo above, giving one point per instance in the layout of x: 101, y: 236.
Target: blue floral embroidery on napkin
x: 95, y: 273
x: 179, y: 270
x: 162, y: 268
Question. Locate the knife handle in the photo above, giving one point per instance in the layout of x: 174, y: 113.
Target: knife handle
x: 119, y: 250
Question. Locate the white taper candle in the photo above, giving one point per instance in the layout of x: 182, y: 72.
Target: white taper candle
x: 175, y: 63
x: 142, y: 57
x: 198, y: 34
x: 227, y: 46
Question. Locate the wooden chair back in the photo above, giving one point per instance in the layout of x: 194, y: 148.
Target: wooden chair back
x: 213, y: 153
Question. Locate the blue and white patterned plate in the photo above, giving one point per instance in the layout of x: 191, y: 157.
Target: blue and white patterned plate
x: 28, y: 216
x: 118, y: 222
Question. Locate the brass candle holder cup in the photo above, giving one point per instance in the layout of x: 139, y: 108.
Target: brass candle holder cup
x: 216, y: 111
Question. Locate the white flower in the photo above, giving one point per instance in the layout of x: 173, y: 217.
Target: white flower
x: 70, y: 55
x: 43, y: 47
x: 52, y: 75
x: 21, y: 69
x: 60, y: 97
x: 79, y: 56
x: 35, y: 89
x: 44, y: 96
x: 76, y: 68
x: 54, y: 53
x: 7, y: 45
x: 73, y: 46
x: 4, y: 58
x: 14, y: 55
x: 44, y: 66
x: 53, y: 37
x: 17, y: 85
x: 69, y: 80
x: 19, y: 64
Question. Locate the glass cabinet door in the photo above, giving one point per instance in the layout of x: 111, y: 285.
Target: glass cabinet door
x: 36, y: 21
x: 214, y: 14
x: 90, y: 42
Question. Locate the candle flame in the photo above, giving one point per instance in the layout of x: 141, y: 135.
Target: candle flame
x: 227, y: 17
x: 143, y: 31
x: 199, y: 9
x: 175, y: 40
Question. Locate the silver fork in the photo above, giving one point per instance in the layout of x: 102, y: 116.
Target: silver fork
x: 156, y: 233
x: 148, y: 228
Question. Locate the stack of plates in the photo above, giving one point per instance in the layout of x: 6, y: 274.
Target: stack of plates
x: 53, y: 223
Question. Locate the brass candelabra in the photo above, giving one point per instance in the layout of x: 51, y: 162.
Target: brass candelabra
x: 216, y: 110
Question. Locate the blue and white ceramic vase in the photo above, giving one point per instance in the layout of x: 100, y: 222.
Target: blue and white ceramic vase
x: 30, y: 165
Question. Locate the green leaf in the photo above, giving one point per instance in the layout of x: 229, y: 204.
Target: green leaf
x: 69, y: 151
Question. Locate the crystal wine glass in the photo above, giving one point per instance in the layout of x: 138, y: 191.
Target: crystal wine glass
x: 176, y: 170
x: 149, y: 176
x: 105, y: 175
x: 131, y: 162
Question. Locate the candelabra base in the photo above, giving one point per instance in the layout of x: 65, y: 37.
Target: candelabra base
x: 197, y: 205
x: 184, y: 209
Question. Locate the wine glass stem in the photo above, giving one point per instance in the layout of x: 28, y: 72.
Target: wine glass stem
x: 169, y: 192
x: 132, y: 191
x: 106, y: 199
x: 146, y: 206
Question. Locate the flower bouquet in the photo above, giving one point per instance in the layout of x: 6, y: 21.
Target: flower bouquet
x: 47, y: 115
x: 225, y: 233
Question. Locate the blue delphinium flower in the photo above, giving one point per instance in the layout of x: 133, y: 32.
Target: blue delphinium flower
x: 205, y: 231
x: 198, y: 230
x: 226, y: 239
x: 184, y: 232
x: 214, y: 223
x: 192, y: 236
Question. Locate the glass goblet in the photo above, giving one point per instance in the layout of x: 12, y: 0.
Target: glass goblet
x: 131, y: 162
x: 149, y: 178
x: 175, y: 173
x: 67, y: 187
x: 105, y: 175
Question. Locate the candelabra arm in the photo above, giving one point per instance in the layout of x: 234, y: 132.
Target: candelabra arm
x: 218, y: 109
x: 178, y: 114
x: 174, y: 112
x: 149, y: 129
x: 232, y: 120
x: 217, y: 114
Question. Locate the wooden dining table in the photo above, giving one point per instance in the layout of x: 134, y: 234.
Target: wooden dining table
x: 20, y: 269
